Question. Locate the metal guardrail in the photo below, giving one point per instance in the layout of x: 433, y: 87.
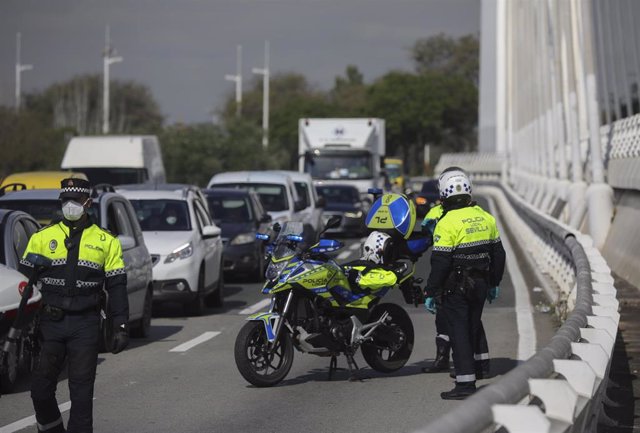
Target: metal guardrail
x: 569, y: 375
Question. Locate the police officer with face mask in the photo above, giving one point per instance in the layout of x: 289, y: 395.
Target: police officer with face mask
x: 467, y: 264
x: 85, y: 258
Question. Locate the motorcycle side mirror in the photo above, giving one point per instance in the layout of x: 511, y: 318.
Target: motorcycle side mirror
x: 38, y: 260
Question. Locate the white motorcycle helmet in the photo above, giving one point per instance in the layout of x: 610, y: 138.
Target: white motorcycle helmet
x: 452, y: 182
x: 377, y: 248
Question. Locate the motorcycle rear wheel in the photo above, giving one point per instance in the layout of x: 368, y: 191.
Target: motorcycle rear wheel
x: 385, y: 356
x: 255, y: 363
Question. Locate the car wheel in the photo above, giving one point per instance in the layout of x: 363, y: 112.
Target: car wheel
x: 196, y: 306
x: 216, y: 299
x: 141, y: 330
x: 9, y: 370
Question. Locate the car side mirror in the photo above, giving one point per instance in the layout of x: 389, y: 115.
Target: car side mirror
x: 322, y: 202
x: 127, y: 242
x: 209, y: 232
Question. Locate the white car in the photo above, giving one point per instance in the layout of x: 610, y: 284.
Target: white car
x: 184, y: 243
x: 276, y: 190
x: 15, y: 230
x: 311, y: 214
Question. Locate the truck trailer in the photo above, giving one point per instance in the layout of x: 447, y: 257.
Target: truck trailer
x: 343, y: 151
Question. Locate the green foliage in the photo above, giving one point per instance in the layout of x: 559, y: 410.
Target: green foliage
x: 450, y: 56
x: 27, y: 144
x: 77, y: 104
x: 194, y: 153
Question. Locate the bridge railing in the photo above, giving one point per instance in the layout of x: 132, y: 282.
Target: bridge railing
x: 561, y: 387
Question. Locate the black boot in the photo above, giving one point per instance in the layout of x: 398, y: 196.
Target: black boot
x: 461, y: 391
x: 441, y: 363
x: 482, y: 369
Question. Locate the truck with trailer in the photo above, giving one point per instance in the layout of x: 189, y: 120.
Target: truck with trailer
x: 343, y: 151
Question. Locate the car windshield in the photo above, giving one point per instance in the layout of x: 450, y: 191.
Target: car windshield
x: 162, y: 215
x: 230, y: 209
x: 283, y: 247
x: 393, y: 170
x: 332, y: 166
x: 272, y: 196
x: 115, y: 176
x: 334, y: 194
x: 44, y: 211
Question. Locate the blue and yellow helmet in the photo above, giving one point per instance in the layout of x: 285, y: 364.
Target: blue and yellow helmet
x: 392, y: 212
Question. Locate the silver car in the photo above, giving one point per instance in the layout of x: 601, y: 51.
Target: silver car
x: 113, y: 212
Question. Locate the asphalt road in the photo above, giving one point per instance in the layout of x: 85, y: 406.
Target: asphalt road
x: 150, y: 388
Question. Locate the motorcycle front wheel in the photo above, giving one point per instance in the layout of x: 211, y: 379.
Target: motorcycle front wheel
x: 392, y: 344
x: 255, y: 360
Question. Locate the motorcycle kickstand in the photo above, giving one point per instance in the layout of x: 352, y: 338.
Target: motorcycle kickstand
x: 354, y: 370
x: 333, y: 365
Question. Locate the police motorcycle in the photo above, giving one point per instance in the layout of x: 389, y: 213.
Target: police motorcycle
x: 316, y: 310
x: 19, y: 303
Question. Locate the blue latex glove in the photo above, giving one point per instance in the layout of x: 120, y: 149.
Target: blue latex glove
x: 430, y: 305
x: 493, y: 294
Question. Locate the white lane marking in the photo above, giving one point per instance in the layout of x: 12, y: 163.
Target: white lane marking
x: 256, y: 307
x: 30, y: 420
x: 354, y: 246
x: 524, y: 315
x: 192, y: 343
x: 343, y: 255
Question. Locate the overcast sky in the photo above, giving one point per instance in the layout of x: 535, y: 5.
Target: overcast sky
x: 182, y: 49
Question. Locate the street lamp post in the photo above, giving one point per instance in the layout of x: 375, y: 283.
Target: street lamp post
x: 20, y: 68
x: 109, y: 58
x: 237, y: 78
x: 265, y: 94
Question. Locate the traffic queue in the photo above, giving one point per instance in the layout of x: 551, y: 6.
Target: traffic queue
x: 91, y: 261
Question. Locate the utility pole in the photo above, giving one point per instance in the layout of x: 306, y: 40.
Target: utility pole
x: 109, y: 57
x: 265, y: 94
x: 20, y: 68
x: 237, y: 78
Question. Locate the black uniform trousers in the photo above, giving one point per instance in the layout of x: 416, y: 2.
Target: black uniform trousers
x: 480, y: 348
x: 463, y: 312
x: 74, y: 338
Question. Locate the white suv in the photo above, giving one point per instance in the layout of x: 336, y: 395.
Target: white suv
x: 184, y: 243
x: 276, y: 190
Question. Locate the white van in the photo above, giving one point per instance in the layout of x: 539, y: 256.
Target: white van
x: 311, y: 215
x: 275, y: 189
x: 115, y: 159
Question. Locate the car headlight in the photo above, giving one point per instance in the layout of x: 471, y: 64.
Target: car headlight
x: 244, y: 238
x: 357, y: 214
x: 274, y: 270
x: 182, y: 252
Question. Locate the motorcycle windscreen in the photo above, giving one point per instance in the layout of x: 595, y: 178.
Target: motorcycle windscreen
x: 282, y: 246
x: 392, y: 212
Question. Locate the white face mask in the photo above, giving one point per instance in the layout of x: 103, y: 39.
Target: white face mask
x: 171, y: 220
x: 72, y: 210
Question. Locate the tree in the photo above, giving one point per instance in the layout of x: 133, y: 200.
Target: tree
x: 450, y: 56
x: 291, y: 97
x: 26, y: 144
x: 349, y: 94
x: 194, y: 153
x: 77, y: 104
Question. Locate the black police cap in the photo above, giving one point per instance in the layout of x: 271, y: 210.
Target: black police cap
x: 72, y: 188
